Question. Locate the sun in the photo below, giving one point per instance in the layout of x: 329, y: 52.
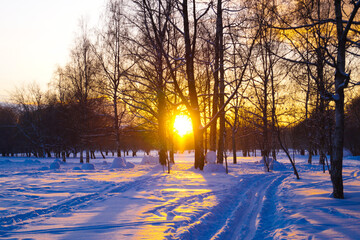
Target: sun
x: 182, y: 125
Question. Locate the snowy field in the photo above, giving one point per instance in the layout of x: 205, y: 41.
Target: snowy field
x: 145, y: 202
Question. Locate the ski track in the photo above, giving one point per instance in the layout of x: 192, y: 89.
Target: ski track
x: 249, y: 214
x: 236, y: 216
x: 13, y: 222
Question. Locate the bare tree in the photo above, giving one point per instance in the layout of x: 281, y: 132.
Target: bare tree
x: 111, y: 53
x: 81, y: 73
x: 147, y: 86
x: 31, y: 101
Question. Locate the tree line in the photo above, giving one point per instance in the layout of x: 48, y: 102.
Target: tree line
x: 250, y: 74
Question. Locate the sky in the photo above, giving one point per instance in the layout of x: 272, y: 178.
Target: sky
x: 36, y: 37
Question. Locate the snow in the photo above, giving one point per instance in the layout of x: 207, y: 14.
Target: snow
x: 150, y: 160
x: 213, y: 167
x: 118, y: 162
x: 145, y: 202
x: 88, y: 166
x: 210, y: 157
x: 269, y: 161
x: 121, y: 162
x: 55, y: 165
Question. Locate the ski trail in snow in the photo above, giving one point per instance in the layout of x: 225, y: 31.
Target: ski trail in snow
x: 236, y: 216
x: 245, y: 217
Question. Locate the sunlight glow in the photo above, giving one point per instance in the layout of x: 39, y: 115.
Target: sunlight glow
x: 182, y: 125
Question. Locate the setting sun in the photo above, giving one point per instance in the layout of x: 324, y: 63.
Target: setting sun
x: 182, y: 125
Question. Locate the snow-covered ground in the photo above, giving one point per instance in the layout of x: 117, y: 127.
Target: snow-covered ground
x: 145, y: 202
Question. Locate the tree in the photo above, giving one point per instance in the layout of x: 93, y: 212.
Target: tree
x: 31, y: 102
x: 8, y: 131
x: 266, y: 71
x: 341, y: 80
x: 345, y: 41
x: 81, y: 75
x: 147, y: 85
x: 111, y: 54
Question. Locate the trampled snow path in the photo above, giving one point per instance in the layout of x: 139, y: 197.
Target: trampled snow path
x: 147, y: 203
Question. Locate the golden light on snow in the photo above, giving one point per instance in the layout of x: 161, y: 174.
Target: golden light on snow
x: 182, y: 125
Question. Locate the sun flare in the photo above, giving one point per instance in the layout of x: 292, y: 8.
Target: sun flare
x: 182, y: 125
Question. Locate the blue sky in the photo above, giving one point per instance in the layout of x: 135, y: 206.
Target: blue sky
x: 35, y: 37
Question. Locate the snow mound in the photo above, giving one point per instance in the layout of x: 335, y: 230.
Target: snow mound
x: 210, y: 157
x: 59, y: 161
x: 104, y: 162
x: 118, y: 162
x: 214, y: 168
x: 77, y: 168
x: 30, y: 161
x: 278, y: 166
x: 269, y: 161
x: 149, y: 160
x: 88, y: 166
x: 43, y: 168
x: 55, y: 165
x: 130, y: 165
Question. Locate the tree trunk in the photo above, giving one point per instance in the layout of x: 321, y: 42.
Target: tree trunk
x: 292, y: 161
x: 336, y: 161
x: 220, y: 51
x: 63, y: 156
x: 81, y: 156
x: 213, y: 127
x: 87, y: 156
x: 161, y: 108
x: 194, y: 111
x: 234, y: 146
x: 310, y: 156
x: 265, y: 150
x: 172, y: 157
x: 199, y: 151
x: 102, y: 154
x: 116, y: 126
